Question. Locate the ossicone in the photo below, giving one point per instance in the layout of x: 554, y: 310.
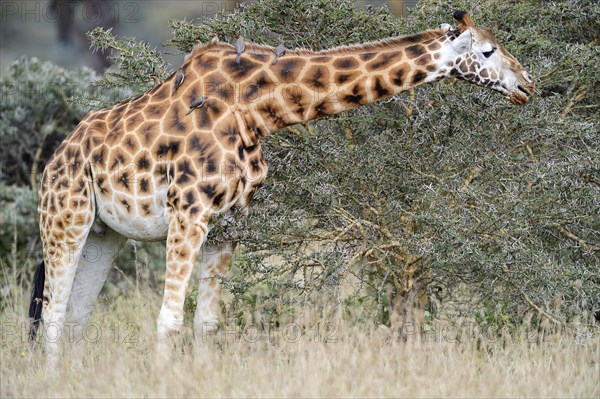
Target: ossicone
x: 464, y: 20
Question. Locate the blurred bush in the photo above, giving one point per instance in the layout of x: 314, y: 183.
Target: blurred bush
x: 40, y: 103
x: 35, y: 114
x: 19, y: 235
x: 453, y: 185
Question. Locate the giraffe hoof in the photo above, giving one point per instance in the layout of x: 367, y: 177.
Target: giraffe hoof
x: 168, y: 324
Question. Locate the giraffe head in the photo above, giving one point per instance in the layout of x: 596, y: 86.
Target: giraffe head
x: 475, y: 55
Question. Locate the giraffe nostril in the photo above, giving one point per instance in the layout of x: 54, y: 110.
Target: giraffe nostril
x: 524, y: 90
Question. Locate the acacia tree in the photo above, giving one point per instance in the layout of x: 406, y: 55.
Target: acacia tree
x: 445, y: 187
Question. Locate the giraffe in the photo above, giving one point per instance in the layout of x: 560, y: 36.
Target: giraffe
x: 160, y: 165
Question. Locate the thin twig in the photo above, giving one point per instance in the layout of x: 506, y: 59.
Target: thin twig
x: 536, y: 307
x: 580, y: 240
x: 472, y: 175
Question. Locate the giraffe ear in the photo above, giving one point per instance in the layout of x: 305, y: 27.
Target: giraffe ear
x: 463, y: 42
x: 464, y: 20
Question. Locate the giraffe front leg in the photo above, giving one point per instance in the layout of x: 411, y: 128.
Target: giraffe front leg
x: 214, y: 263
x: 184, y: 239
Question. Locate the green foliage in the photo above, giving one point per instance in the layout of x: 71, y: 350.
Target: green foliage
x: 486, y: 193
x: 477, y: 192
x: 136, y: 61
x: 315, y: 24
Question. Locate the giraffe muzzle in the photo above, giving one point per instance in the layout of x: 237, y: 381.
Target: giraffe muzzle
x: 521, y: 95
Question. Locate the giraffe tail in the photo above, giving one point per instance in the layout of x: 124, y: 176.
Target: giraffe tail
x: 37, y: 298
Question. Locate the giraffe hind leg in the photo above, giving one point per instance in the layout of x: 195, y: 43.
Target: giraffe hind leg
x: 99, y: 253
x: 60, y: 259
x: 66, y: 217
x: 213, y: 264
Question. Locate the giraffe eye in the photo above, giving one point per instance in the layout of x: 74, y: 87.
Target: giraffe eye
x: 488, y: 54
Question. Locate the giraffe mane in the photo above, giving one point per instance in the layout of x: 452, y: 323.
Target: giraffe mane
x: 377, y: 45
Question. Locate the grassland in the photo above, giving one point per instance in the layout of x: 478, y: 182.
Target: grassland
x: 308, y: 356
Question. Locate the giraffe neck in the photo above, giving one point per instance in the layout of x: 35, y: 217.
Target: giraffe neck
x: 268, y: 94
x: 303, y: 86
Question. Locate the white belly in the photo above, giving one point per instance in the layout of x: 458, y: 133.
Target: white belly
x: 135, y: 224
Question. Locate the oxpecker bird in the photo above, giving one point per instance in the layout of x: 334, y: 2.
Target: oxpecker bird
x: 446, y: 27
x: 197, y: 103
x: 279, y: 51
x: 239, y: 49
x: 179, y: 77
x: 156, y: 80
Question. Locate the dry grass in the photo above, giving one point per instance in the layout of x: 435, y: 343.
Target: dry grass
x: 355, y: 362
